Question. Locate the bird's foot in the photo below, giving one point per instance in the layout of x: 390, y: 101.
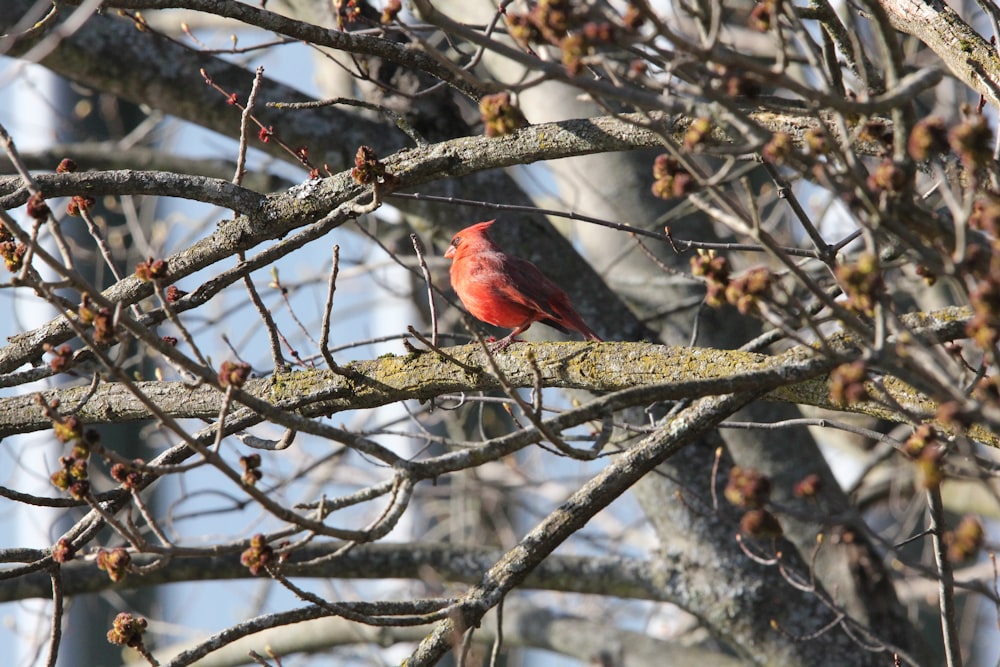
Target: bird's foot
x: 503, y: 343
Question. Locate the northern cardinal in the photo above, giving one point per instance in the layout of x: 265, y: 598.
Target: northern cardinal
x: 507, y: 291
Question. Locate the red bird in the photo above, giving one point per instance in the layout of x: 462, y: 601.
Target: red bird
x: 507, y: 291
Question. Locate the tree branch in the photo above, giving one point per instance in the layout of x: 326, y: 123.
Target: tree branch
x: 648, y: 372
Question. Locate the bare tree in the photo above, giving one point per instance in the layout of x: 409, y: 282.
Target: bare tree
x: 781, y: 218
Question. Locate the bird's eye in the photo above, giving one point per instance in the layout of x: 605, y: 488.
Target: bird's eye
x: 457, y: 241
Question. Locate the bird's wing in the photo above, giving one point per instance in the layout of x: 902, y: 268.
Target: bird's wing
x: 534, y: 290
x: 529, y: 286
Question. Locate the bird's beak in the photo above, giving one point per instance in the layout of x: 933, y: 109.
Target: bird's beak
x: 450, y: 252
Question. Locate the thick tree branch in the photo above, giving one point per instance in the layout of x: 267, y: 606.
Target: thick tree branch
x: 648, y: 372
x: 969, y: 57
x: 109, y: 156
x: 621, y: 577
x: 219, y: 192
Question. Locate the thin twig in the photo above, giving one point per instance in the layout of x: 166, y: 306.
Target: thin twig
x: 498, y: 640
x: 418, y: 247
x: 241, y: 156
x: 324, y: 338
x: 55, y: 632
x: 678, y: 244
x: 946, y: 579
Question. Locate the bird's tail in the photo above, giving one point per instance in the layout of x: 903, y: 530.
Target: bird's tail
x: 571, y: 321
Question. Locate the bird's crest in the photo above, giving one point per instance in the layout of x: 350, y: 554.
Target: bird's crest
x: 480, y: 227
